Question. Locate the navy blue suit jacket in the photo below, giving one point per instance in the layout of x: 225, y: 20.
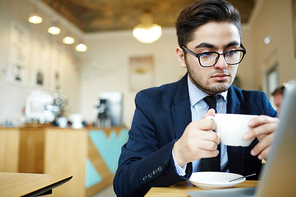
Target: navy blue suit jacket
x: 160, y: 118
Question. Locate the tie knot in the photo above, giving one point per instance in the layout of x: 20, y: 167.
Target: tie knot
x: 211, y: 101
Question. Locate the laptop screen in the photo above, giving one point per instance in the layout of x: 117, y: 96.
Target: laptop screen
x: 279, y: 173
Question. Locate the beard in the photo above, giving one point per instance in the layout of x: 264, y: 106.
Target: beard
x: 203, y: 83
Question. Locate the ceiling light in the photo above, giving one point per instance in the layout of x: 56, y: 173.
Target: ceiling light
x: 267, y: 39
x: 81, y: 47
x: 147, y: 31
x: 68, y: 40
x: 35, y: 19
x: 54, y: 30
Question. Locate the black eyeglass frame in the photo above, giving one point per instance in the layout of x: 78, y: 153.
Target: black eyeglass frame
x: 197, y: 55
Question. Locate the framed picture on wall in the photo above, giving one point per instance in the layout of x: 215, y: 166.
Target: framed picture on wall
x: 58, y: 61
x: 39, y: 62
x: 141, y: 72
x: 18, y: 58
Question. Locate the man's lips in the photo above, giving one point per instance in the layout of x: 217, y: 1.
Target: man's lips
x: 220, y: 76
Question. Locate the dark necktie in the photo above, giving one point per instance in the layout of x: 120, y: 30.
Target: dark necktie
x: 211, y: 164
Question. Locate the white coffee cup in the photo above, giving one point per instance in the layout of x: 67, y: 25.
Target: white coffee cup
x: 231, y: 128
x: 62, y: 122
x: 76, y: 120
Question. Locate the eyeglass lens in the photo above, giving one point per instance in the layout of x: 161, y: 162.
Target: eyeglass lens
x: 211, y: 58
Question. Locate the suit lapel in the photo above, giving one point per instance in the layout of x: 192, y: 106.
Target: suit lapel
x: 236, y: 155
x: 234, y: 105
x: 181, y: 112
x: 181, y: 118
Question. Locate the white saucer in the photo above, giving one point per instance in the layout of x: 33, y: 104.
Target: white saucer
x: 215, y: 180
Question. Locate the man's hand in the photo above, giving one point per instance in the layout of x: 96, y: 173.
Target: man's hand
x: 263, y: 128
x: 197, y: 141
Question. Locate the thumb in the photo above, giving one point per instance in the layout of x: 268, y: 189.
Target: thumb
x: 210, y: 112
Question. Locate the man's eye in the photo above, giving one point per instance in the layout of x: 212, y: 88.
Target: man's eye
x: 231, y: 53
x: 206, y: 56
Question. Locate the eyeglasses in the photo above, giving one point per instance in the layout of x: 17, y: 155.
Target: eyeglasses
x: 208, y: 59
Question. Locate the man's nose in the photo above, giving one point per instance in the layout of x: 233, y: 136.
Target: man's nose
x: 221, y: 63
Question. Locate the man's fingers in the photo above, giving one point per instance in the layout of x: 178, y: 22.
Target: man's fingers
x: 209, y: 145
x: 262, y: 119
x: 209, y: 154
x: 261, y: 130
x: 264, y: 153
x: 204, y: 124
x: 262, y: 146
x: 261, y: 125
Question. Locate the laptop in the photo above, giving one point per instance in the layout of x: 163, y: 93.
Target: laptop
x: 278, y: 177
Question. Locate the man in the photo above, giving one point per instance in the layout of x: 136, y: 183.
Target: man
x: 170, y: 135
x: 278, y: 97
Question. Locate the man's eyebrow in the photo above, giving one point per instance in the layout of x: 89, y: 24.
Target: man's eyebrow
x: 231, y: 44
x: 211, y: 46
x: 205, y: 45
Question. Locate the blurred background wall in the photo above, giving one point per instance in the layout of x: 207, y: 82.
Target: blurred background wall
x: 106, y: 65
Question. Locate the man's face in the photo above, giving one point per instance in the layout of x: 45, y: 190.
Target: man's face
x: 212, y: 37
x: 277, y: 99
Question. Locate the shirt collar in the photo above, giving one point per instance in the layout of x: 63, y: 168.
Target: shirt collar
x: 195, y: 94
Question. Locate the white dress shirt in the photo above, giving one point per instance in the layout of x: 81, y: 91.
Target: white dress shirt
x: 198, y: 109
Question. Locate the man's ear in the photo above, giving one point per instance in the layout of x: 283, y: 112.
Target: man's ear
x: 181, y: 57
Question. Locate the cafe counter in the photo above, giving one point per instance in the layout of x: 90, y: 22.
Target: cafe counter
x: 90, y: 155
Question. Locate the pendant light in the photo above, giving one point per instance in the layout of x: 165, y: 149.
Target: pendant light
x: 35, y: 18
x: 68, y: 40
x: 81, y: 47
x: 147, y: 31
x: 54, y: 29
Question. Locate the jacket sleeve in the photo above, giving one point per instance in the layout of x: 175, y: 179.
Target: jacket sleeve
x: 143, y: 163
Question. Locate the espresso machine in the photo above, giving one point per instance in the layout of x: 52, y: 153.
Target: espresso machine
x: 109, y: 109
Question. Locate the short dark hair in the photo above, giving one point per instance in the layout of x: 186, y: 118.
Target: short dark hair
x: 279, y: 90
x: 202, y: 12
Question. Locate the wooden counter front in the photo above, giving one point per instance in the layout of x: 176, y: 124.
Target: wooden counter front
x: 81, y: 153
x: 9, y: 149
